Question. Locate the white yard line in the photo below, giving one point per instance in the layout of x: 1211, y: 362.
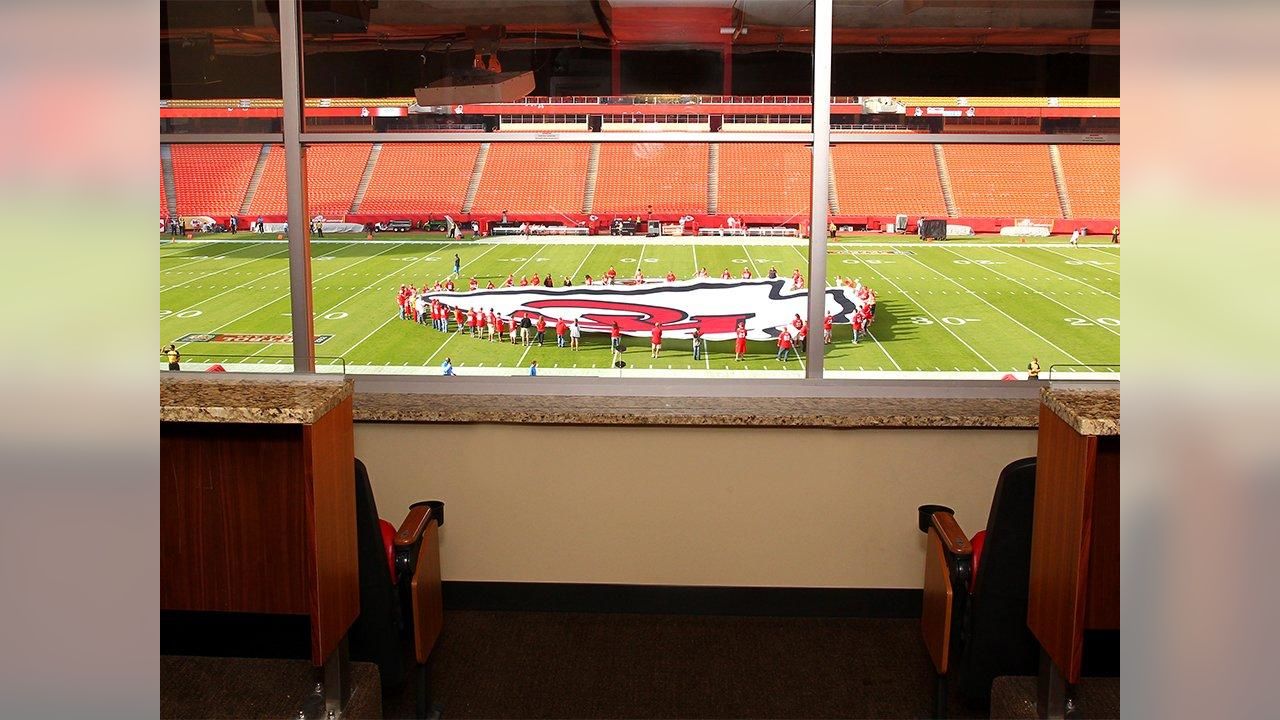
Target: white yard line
x: 581, y: 265
x: 206, y: 258
x: 911, y: 296
x: 1065, y: 276
x: 993, y: 307
x: 281, y: 297
x: 1042, y: 294
x: 447, y: 340
x: 202, y: 301
x: 882, y: 348
x: 344, y: 353
x: 217, y: 272
x: 751, y: 260
x: 639, y: 260
x: 696, y: 266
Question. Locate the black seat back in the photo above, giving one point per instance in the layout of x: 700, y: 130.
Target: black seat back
x: 375, y: 635
x: 999, y: 642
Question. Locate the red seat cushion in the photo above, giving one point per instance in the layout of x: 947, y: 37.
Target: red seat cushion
x: 977, y: 542
x: 388, y: 542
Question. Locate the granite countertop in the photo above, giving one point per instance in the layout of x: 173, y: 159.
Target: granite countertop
x: 699, y: 411
x: 189, y: 397
x: 1089, y: 412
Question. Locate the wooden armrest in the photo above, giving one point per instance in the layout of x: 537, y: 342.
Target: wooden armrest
x: 953, y: 538
x: 414, y: 525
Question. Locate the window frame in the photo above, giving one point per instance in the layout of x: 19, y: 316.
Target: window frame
x: 295, y: 141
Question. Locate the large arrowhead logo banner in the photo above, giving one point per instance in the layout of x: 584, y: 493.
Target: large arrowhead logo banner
x: 715, y: 306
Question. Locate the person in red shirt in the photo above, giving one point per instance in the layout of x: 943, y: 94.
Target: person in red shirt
x: 472, y: 285
x: 587, y: 280
x: 801, y: 336
x: 511, y: 281
x: 726, y: 275
x: 826, y: 329
x: 796, y: 322
x: 784, y: 345
x: 639, y: 277
x: 562, y: 327
x: 611, y: 275
x: 473, y: 322
x: 541, y: 327
x: 615, y: 337
x: 512, y: 324
x: 448, y: 285
x: 858, y: 324
x: 797, y: 280
x: 524, y: 282
x: 746, y: 274
x: 490, y: 287
x: 656, y: 337
x: 740, y: 341
x: 495, y: 330
x: 458, y: 316
x: 435, y: 316
x: 537, y: 279
x: 671, y: 277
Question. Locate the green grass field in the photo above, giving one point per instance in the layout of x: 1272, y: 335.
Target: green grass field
x: 980, y: 307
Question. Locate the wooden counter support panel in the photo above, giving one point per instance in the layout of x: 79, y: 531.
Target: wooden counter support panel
x: 334, y: 572
x: 232, y: 537
x: 257, y: 500
x: 1074, y: 570
x: 1102, y: 604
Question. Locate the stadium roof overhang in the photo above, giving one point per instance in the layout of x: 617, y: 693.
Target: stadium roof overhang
x: 745, y: 25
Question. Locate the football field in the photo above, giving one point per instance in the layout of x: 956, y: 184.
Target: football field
x: 979, y: 308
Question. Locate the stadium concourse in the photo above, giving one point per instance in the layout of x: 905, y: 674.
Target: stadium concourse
x: 964, y: 309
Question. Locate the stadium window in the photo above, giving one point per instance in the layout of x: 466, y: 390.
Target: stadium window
x: 589, y: 182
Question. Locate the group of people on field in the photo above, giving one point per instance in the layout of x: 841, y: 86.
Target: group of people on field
x: 530, y: 328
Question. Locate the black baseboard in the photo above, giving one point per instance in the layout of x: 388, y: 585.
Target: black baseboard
x: 683, y: 599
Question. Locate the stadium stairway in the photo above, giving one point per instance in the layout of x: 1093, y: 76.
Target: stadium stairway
x: 713, y: 178
x: 166, y: 176
x: 477, y: 171
x: 374, y: 153
x: 944, y: 177
x: 255, y: 179
x: 593, y: 171
x: 833, y: 195
x: 1060, y: 181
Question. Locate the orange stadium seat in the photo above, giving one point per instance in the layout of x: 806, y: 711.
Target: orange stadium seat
x: 533, y: 178
x: 212, y: 179
x: 420, y: 178
x: 164, y: 197
x: 1093, y: 179
x: 333, y: 172
x: 1014, y: 181
x: 880, y: 179
x: 763, y: 179
x: 672, y: 177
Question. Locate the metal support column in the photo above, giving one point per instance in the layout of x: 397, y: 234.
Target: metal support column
x: 295, y: 175
x: 821, y: 161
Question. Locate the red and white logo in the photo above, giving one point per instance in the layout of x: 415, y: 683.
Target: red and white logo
x: 714, y: 306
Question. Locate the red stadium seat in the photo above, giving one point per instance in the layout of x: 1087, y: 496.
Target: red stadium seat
x: 1092, y: 173
x: 533, y: 178
x: 672, y: 177
x: 212, y: 179
x: 763, y: 179
x: 333, y: 172
x: 1014, y: 181
x: 882, y: 179
x: 420, y: 178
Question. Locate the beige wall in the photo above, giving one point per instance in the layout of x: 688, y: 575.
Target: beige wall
x: 686, y: 506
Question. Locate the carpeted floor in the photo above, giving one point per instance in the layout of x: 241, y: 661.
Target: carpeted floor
x: 580, y: 665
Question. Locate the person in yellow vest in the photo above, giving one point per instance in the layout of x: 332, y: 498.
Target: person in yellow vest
x: 174, y: 356
x: 1033, y: 370
x: 1115, y: 234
